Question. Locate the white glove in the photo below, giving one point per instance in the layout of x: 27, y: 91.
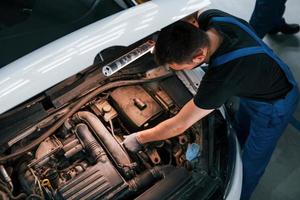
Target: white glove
x: 131, y: 143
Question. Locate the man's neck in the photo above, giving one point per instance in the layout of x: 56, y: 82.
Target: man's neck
x: 215, y: 41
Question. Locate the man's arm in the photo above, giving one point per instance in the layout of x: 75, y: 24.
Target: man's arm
x: 174, y: 126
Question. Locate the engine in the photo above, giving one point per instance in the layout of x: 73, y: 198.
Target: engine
x: 75, y: 167
x: 85, y: 158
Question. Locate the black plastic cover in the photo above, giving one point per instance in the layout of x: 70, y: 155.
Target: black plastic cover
x: 96, y: 182
x: 172, y: 86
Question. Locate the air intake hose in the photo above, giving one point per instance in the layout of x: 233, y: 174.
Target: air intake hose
x: 119, y: 155
x: 90, y: 143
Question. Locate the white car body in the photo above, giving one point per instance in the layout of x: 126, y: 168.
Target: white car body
x: 49, y: 65
x: 62, y: 58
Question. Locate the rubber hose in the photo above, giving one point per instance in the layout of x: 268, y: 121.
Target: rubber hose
x: 109, y: 142
x: 171, y: 180
x: 90, y: 143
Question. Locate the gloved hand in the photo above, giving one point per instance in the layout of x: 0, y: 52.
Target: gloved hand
x: 131, y: 143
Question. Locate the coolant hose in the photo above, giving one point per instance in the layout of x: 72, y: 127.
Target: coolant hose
x: 73, y: 110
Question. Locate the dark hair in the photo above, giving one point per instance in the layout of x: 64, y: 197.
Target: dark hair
x: 179, y: 43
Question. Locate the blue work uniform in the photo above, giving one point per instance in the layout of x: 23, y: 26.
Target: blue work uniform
x: 261, y: 122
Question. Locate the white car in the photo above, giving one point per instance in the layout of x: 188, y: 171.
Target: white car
x: 70, y: 92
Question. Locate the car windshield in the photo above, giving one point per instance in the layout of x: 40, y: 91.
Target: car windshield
x: 26, y: 25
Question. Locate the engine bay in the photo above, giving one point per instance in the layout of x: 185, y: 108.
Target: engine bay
x: 84, y: 158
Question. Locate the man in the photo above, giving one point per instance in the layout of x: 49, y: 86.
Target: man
x: 240, y: 64
x: 267, y: 17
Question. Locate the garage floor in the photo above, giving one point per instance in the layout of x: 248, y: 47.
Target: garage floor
x: 282, y: 176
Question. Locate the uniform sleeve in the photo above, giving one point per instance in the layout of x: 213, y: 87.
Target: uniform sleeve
x: 212, y: 94
x: 204, y: 17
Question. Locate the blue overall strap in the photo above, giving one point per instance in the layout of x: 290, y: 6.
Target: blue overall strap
x: 236, y: 54
x: 263, y: 134
x: 247, y: 51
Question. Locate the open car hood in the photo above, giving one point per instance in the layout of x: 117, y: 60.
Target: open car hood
x: 50, y: 64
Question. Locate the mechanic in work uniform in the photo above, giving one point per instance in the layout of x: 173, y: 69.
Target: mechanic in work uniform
x: 267, y: 18
x: 240, y: 64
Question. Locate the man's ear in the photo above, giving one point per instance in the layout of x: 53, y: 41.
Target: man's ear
x: 200, y: 57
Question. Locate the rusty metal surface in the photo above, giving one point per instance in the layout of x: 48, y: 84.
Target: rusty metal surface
x: 104, y: 109
x: 154, y: 156
x: 126, y: 99
x: 183, y: 139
